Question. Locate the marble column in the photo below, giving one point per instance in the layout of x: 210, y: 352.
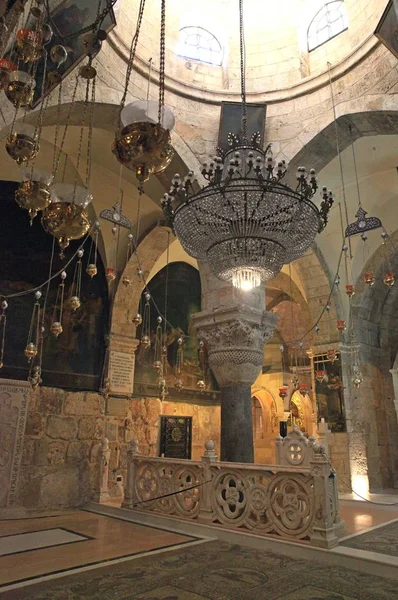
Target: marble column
x: 235, y: 335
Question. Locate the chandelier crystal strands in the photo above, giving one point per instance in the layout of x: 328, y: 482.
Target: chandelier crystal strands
x: 245, y: 222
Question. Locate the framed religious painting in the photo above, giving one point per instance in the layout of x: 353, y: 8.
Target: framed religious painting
x: 231, y: 122
x: 387, y: 28
x: 329, y: 391
x: 176, y: 437
x: 70, y: 21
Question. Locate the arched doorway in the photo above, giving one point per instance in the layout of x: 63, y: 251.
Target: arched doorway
x: 265, y: 427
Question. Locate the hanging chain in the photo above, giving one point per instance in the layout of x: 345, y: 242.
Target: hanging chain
x: 242, y: 72
x: 71, y: 105
x: 354, y: 158
x: 162, y: 51
x: 133, y: 49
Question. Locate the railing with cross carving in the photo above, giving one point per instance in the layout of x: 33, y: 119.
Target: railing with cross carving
x: 290, y: 502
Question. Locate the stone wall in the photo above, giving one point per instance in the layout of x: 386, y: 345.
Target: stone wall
x: 62, y: 443
x: 61, y: 448
x: 339, y: 457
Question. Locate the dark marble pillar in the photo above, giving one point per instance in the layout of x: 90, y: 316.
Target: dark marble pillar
x: 236, y: 424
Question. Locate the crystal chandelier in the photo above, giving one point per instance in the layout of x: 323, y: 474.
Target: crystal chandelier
x: 245, y: 222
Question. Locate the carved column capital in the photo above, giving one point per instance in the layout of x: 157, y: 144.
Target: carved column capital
x: 235, y: 338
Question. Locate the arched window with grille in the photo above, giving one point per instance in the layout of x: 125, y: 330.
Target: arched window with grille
x: 199, y: 44
x: 328, y: 22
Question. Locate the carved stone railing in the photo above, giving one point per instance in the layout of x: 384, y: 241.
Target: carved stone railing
x: 293, y: 503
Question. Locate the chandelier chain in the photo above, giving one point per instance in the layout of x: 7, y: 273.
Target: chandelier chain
x: 243, y: 72
x: 162, y: 61
x: 133, y: 49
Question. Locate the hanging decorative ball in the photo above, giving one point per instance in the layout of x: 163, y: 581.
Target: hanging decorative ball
x: 178, y: 384
x: 30, y: 351
x: 91, y: 270
x: 46, y: 33
x: 4, y: 305
x: 114, y: 230
x: 357, y: 380
x: 110, y: 275
x: 73, y: 303
x: 317, y: 328
x: 159, y: 320
x: 179, y: 341
x: 38, y: 295
x: 320, y: 375
x: 139, y: 272
x: 80, y: 253
x: 337, y: 280
x: 283, y: 392
x: 88, y: 72
x: 145, y: 341
x: 56, y: 328
x: 157, y: 365
x: 389, y: 279
x: 137, y: 319
x: 349, y: 290
x: 58, y: 55
x: 369, y: 279
x: 91, y: 44
x: 327, y: 308
x: 126, y: 281
x: 201, y: 385
x: 332, y: 355
x: 303, y: 389
x: 147, y: 296
x: 341, y: 326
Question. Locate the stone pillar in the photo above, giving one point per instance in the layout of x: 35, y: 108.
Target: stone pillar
x: 394, y: 374
x: 235, y: 336
x: 356, y: 425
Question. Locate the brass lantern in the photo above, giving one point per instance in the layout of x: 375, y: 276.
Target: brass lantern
x: 22, y: 144
x: 34, y: 192
x: 29, y: 45
x: 66, y: 218
x: 6, y: 67
x: 143, y: 145
x: 20, y: 88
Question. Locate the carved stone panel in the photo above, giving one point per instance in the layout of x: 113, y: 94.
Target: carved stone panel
x: 14, y: 401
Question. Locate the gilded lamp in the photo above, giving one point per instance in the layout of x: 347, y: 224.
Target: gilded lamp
x: 34, y: 193
x: 66, y: 218
x: 143, y: 143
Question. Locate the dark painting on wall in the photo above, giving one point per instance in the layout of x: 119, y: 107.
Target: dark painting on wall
x: 68, y: 17
x: 176, y: 437
x: 73, y: 360
x: 387, y: 29
x: 231, y: 122
x: 183, y: 300
x: 329, y: 391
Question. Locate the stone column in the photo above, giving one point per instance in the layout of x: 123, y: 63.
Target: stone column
x: 394, y: 374
x: 235, y: 336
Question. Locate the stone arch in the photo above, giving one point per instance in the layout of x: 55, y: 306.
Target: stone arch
x: 373, y: 414
x: 272, y: 412
x: 127, y: 299
x: 304, y: 407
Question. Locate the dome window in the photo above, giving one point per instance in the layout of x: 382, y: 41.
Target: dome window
x: 199, y: 44
x: 328, y: 22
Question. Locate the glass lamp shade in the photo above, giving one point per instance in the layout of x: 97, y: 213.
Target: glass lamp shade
x: 67, y: 192
x: 29, y: 45
x: 38, y: 175
x: 146, y: 112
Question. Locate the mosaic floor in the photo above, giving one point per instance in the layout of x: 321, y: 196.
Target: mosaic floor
x: 383, y: 540
x: 213, y: 571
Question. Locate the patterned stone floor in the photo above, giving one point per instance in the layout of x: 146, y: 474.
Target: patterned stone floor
x: 214, y: 571
x: 383, y: 540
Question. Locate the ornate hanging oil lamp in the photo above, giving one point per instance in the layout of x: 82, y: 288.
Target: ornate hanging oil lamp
x: 29, y: 45
x: 369, y: 279
x: 283, y: 392
x: 31, y: 348
x: 303, y: 389
x: 6, y: 67
x: 20, y: 88
x: 389, y: 279
x: 349, y: 290
x: 178, y: 384
x: 341, y: 326
x: 320, y: 375
x: 33, y: 193
x: 22, y: 144
x: 66, y: 218
x: 332, y: 355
